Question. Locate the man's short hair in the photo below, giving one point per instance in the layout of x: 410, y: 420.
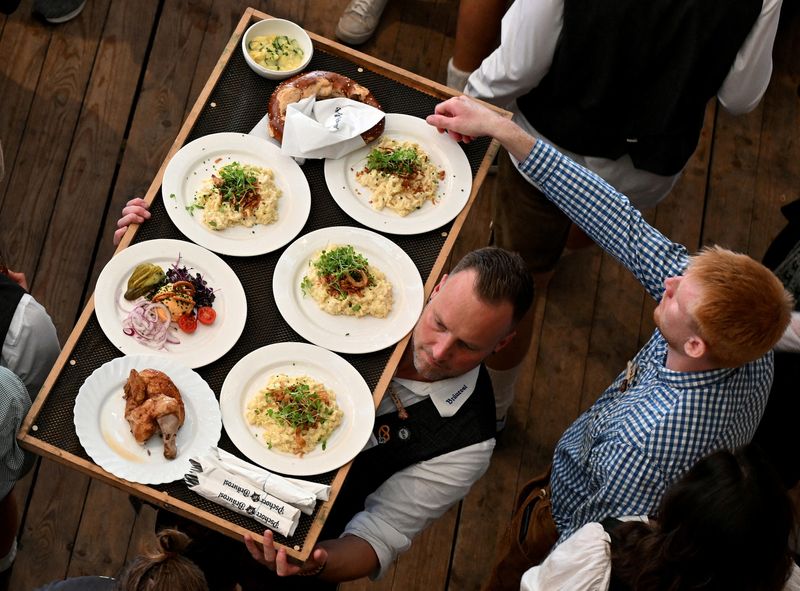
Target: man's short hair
x: 743, y: 308
x: 501, y: 276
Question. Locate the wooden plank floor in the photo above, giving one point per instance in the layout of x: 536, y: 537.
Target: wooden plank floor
x: 87, y: 111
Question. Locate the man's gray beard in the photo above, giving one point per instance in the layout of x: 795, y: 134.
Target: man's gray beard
x: 432, y: 374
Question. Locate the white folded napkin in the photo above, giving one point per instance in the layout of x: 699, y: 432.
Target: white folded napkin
x: 300, y: 493
x: 216, y: 484
x: 326, y: 129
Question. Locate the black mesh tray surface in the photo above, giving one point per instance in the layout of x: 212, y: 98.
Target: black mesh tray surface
x: 237, y: 103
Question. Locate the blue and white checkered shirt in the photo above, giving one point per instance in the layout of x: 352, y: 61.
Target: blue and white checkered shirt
x: 619, y: 457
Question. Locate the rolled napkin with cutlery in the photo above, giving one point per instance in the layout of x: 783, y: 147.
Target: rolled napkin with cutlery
x: 300, y: 493
x: 239, y: 494
x: 329, y: 128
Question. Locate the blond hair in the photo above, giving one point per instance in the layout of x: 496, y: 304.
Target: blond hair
x: 743, y: 308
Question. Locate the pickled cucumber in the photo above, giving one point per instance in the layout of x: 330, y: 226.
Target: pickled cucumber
x: 145, y: 278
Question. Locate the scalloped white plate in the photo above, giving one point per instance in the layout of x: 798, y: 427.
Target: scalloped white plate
x: 348, y: 334
x: 453, y: 194
x: 353, y: 396
x: 105, y: 434
x: 207, y: 343
x: 197, y: 160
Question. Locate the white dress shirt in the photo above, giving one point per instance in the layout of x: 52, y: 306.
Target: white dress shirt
x: 529, y: 33
x: 414, y: 497
x: 31, y: 346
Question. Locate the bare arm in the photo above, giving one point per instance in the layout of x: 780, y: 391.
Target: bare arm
x: 464, y: 119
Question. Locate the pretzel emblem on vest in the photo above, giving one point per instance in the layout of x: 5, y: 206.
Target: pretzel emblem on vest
x: 384, y: 434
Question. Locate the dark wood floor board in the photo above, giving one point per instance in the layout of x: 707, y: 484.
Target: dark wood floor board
x: 50, y: 527
x: 732, y: 180
x: 778, y: 174
x: 562, y: 350
x: 223, y: 17
x: 383, y: 43
x: 101, y: 544
x: 23, y: 490
x: 142, y: 536
x: 420, y: 36
x: 292, y: 10
x: 321, y: 17
x: 23, y: 46
x: 39, y: 166
x: 160, y: 109
x: 426, y: 564
x: 91, y: 165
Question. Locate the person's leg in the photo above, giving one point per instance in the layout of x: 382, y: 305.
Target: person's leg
x: 8, y: 530
x: 477, y: 33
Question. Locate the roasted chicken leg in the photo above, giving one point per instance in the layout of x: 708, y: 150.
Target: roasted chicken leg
x: 153, y: 404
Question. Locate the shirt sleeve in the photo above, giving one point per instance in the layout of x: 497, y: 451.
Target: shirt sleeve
x: 749, y: 75
x: 581, y: 563
x: 528, y: 36
x: 413, y: 498
x: 626, y: 482
x: 31, y: 346
x: 14, y: 405
x: 606, y: 216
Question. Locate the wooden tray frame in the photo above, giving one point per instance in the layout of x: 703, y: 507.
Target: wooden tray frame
x: 27, y: 433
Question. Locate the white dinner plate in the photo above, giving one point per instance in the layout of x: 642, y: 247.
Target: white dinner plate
x: 198, y: 160
x: 106, y: 436
x: 252, y: 373
x: 207, y: 343
x: 452, y: 196
x: 348, y: 334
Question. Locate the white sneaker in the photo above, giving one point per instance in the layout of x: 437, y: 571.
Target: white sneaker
x: 359, y: 20
x: 456, y: 79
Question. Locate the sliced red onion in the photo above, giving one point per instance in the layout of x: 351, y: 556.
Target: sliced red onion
x: 144, y: 324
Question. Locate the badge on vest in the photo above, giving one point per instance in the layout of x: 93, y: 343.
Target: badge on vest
x: 384, y: 434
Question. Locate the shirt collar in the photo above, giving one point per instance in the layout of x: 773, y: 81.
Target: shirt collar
x: 686, y: 379
x: 447, y: 395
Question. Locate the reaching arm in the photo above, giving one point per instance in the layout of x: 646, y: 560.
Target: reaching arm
x: 595, y: 206
x: 464, y: 119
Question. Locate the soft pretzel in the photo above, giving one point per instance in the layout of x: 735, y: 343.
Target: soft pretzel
x: 324, y: 85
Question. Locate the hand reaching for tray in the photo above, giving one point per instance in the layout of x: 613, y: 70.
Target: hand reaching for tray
x: 464, y: 119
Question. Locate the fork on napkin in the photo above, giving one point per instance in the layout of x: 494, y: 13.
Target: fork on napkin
x: 249, y: 490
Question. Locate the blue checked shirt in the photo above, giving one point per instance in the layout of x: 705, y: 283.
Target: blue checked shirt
x: 619, y: 457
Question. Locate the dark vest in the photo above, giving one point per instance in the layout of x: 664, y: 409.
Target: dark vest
x: 10, y: 295
x: 633, y: 77
x: 422, y: 436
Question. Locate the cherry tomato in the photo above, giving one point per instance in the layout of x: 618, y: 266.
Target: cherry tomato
x: 206, y: 315
x: 187, y: 323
